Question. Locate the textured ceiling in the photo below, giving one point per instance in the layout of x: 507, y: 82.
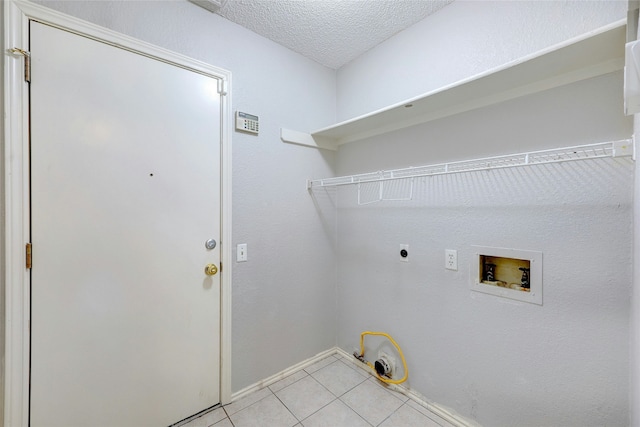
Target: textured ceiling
x: 331, y: 32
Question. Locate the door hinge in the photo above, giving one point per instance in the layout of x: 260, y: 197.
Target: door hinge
x: 27, y: 62
x: 28, y: 261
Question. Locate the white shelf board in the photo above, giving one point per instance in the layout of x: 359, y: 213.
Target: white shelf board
x: 592, y: 54
x: 300, y: 138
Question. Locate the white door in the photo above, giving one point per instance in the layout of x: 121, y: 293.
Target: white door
x: 125, y: 188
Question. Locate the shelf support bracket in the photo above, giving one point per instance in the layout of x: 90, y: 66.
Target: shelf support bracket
x: 300, y: 138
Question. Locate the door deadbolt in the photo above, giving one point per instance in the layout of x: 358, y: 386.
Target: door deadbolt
x: 211, y: 270
x: 210, y: 244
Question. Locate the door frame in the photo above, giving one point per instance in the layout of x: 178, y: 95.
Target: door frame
x: 17, y: 14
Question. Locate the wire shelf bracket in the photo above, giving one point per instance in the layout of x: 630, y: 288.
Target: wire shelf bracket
x: 612, y: 149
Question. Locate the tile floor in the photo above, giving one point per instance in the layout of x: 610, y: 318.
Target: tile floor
x: 332, y: 392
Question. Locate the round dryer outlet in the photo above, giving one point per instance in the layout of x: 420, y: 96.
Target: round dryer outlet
x: 385, y: 365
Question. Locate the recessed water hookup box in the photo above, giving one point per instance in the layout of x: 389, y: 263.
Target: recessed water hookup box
x: 507, y: 273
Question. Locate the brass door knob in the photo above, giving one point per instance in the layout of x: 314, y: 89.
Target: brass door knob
x: 211, y: 270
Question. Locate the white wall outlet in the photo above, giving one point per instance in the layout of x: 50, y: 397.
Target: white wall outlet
x: 404, y: 253
x: 451, y: 259
x: 241, y: 254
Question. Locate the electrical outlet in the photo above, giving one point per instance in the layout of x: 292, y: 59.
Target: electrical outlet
x: 241, y: 254
x: 451, y: 259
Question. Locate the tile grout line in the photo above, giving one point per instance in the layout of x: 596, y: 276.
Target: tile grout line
x: 336, y: 398
x: 339, y: 398
x: 364, y: 379
x: 347, y: 391
x: 228, y: 416
x: 287, y: 408
x: 401, y: 394
x: 388, y: 416
x: 283, y: 374
x: 353, y: 410
x: 300, y: 379
x: 442, y: 414
x: 391, y: 414
x: 248, y: 406
x: 322, y: 385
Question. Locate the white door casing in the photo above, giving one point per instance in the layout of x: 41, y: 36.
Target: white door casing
x: 17, y: 15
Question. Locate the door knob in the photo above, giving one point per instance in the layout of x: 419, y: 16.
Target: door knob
x: 211, y: 270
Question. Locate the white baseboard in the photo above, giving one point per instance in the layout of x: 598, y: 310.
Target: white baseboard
x: 438, y: 410
x: 282, y: 374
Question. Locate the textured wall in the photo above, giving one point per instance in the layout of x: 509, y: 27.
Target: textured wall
x: 284, y: 296
x: 494, y: 360
x: 473, y: 353
x: 461, y: 40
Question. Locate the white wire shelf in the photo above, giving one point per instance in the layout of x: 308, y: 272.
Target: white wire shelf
x: 621, y: 148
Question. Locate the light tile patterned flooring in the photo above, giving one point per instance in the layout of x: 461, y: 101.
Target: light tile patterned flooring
x: 332, y: 392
